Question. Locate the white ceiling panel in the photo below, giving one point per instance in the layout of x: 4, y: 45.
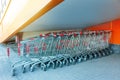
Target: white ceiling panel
x: 73, y: 14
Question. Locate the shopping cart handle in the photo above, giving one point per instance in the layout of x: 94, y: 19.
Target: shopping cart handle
x: 61, y: 34
x: 41, y: 35
x: 75, y: 34
x: 81, y: 32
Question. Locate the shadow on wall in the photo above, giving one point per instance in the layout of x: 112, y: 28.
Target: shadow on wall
x: 115, y: 48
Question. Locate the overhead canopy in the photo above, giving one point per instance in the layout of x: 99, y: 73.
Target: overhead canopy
x: 73, y: 14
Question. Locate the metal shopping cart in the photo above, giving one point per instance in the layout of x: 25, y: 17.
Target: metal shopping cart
x: 58, y: 49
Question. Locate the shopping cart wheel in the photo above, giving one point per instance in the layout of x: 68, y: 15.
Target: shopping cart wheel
x: 59, y: 63
x: 80, y: 59
x: 31, y: 69
x: 110, y: 51
x: 90, y: 56
x: 51, y: 64
x: 85, y: 57
x: 48, y: 65
x: 23, y: 69
x: 13, y: 72
x: 99, y: 54
x: 95, y: 55
x: 107, y: 51
x: 43, y: 67
x: 76, y: 58
x: 34, y: 65
x: 74, y: 61
x: 104, y: 52
x: 71, y: 60
x: 65, y: 62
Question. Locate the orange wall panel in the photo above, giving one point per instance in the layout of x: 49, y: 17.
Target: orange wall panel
x: 114, y: 26
x: 104, y: 26
x: 115, y: 38
x: 115, y: 32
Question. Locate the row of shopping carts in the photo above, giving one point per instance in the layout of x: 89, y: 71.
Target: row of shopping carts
x: 58, y: 49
